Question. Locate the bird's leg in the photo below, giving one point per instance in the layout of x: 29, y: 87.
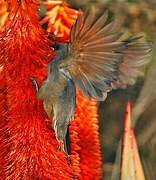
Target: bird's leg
x: 35, y: 84
x: 63, y: 146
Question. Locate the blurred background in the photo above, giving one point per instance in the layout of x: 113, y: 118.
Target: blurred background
x: 136, y: 16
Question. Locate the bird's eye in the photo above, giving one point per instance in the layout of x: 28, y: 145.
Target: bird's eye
x: 55, y: 46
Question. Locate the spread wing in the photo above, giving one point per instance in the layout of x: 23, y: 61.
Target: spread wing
x: 136, y: 55
x: 99, y: 61
x: 93, y: 55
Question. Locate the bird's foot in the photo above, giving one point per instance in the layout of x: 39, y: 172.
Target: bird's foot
x: 62, y: 147
x: 35, y: 84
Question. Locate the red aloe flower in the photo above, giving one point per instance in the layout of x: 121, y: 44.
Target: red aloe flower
x: 86, y: 119
x: 27, y: 142
x: 86, y: 161
x: 59, y: 17
x: 3, y: 13
x: 29, y: 146
x: 3, y: 131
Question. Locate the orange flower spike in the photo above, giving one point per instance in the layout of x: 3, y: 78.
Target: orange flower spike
x: 75, y: 148
x: 3, y: 103
x: 30, y: 147
x: 60, y: 18
x: 3, y: 129
x: 86, y: 120
x: 3, y: 13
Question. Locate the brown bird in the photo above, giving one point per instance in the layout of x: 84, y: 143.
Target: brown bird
x: 96, y: 61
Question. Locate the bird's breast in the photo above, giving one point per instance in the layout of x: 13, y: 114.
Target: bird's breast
x: 58, y: 86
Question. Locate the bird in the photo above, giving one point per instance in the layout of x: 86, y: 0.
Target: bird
x: 95, y: 60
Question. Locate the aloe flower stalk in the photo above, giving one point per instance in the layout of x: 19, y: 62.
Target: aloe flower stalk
x: 87, y: 128
x: 29, y: 149
x: 29, y: 146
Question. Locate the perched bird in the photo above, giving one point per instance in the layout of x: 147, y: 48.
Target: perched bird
x: 96, y: 61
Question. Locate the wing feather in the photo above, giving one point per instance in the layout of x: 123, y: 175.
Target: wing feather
x: 135, y: 56
x: 98, y: 61
x: 93, y: 55
x: 86, y: 25
x: 96, y: 27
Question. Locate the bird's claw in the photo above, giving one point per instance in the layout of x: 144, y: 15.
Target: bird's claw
x: 35, y: 84
x: 62, y: 147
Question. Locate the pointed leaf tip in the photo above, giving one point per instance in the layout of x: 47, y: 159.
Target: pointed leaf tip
x: 127, y: 123
x: 128, y: 107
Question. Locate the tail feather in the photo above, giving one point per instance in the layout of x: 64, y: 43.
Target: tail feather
x: 64, y: 109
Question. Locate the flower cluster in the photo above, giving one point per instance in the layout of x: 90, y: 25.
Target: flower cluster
x: 3, y: 13
x: 28, y: 145
x: 60, y: 18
